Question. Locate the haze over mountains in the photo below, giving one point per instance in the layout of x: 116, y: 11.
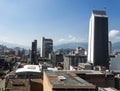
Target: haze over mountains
x: 71, y: 45
x: 12, y: 45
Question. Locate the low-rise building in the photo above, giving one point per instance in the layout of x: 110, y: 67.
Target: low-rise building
x: 65, y: 81
x: 117, y: 81
x: 28, y: 78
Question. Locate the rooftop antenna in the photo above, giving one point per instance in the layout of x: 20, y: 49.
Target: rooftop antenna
x: 105, y: 8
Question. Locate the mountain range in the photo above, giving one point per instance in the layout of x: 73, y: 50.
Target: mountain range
x: 72, y: 45
x: 115, y: 46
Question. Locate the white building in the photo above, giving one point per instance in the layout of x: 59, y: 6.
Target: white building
x: 29, y: 71
x: 98, y: 39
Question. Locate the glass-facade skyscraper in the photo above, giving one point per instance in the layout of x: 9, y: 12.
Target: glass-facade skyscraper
x: 47, y: 47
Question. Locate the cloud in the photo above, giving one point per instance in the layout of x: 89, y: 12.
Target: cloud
x: 71, y: 38
x: 114, y: 35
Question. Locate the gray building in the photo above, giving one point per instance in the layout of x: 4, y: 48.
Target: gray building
x: 98, y: 39
x: 47, y: 47
x: 56, y: 58
x: 73, y: 61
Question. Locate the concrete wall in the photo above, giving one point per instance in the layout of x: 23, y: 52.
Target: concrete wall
x: 46, y: 84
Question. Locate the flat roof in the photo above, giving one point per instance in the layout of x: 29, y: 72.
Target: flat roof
x: 29, y: 68
x: 18, y: 84
x: 67, y: 80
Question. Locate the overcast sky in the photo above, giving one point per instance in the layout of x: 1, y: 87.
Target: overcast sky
x: 22, y: 21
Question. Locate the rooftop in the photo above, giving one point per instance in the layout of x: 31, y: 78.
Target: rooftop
x: 99, y: 13
x: 90, y: 72
x: 63, y: 79
x: 21, y: 84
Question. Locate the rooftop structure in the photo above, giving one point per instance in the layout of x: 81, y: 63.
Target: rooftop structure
x: 28, y: 71
x: 29, y: 68
x: 99, y: 13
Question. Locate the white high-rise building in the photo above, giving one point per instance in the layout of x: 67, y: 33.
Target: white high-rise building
x: 98, y: 39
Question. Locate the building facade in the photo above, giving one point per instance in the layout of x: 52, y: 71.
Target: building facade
x: 98, y: 39
x: 47, y: 47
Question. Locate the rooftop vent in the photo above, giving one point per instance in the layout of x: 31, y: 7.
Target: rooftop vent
x: 17, y: 83
x: 31, y: 67
x: 61, y: 78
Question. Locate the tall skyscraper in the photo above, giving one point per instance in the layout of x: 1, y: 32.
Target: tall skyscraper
x: 34, y: 53
x: 98, y: 39
x: 47, y: 47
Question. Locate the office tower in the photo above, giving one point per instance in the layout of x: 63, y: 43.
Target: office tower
x: 34, y: 53
x: 98, y: 39
x: 47, y: 47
